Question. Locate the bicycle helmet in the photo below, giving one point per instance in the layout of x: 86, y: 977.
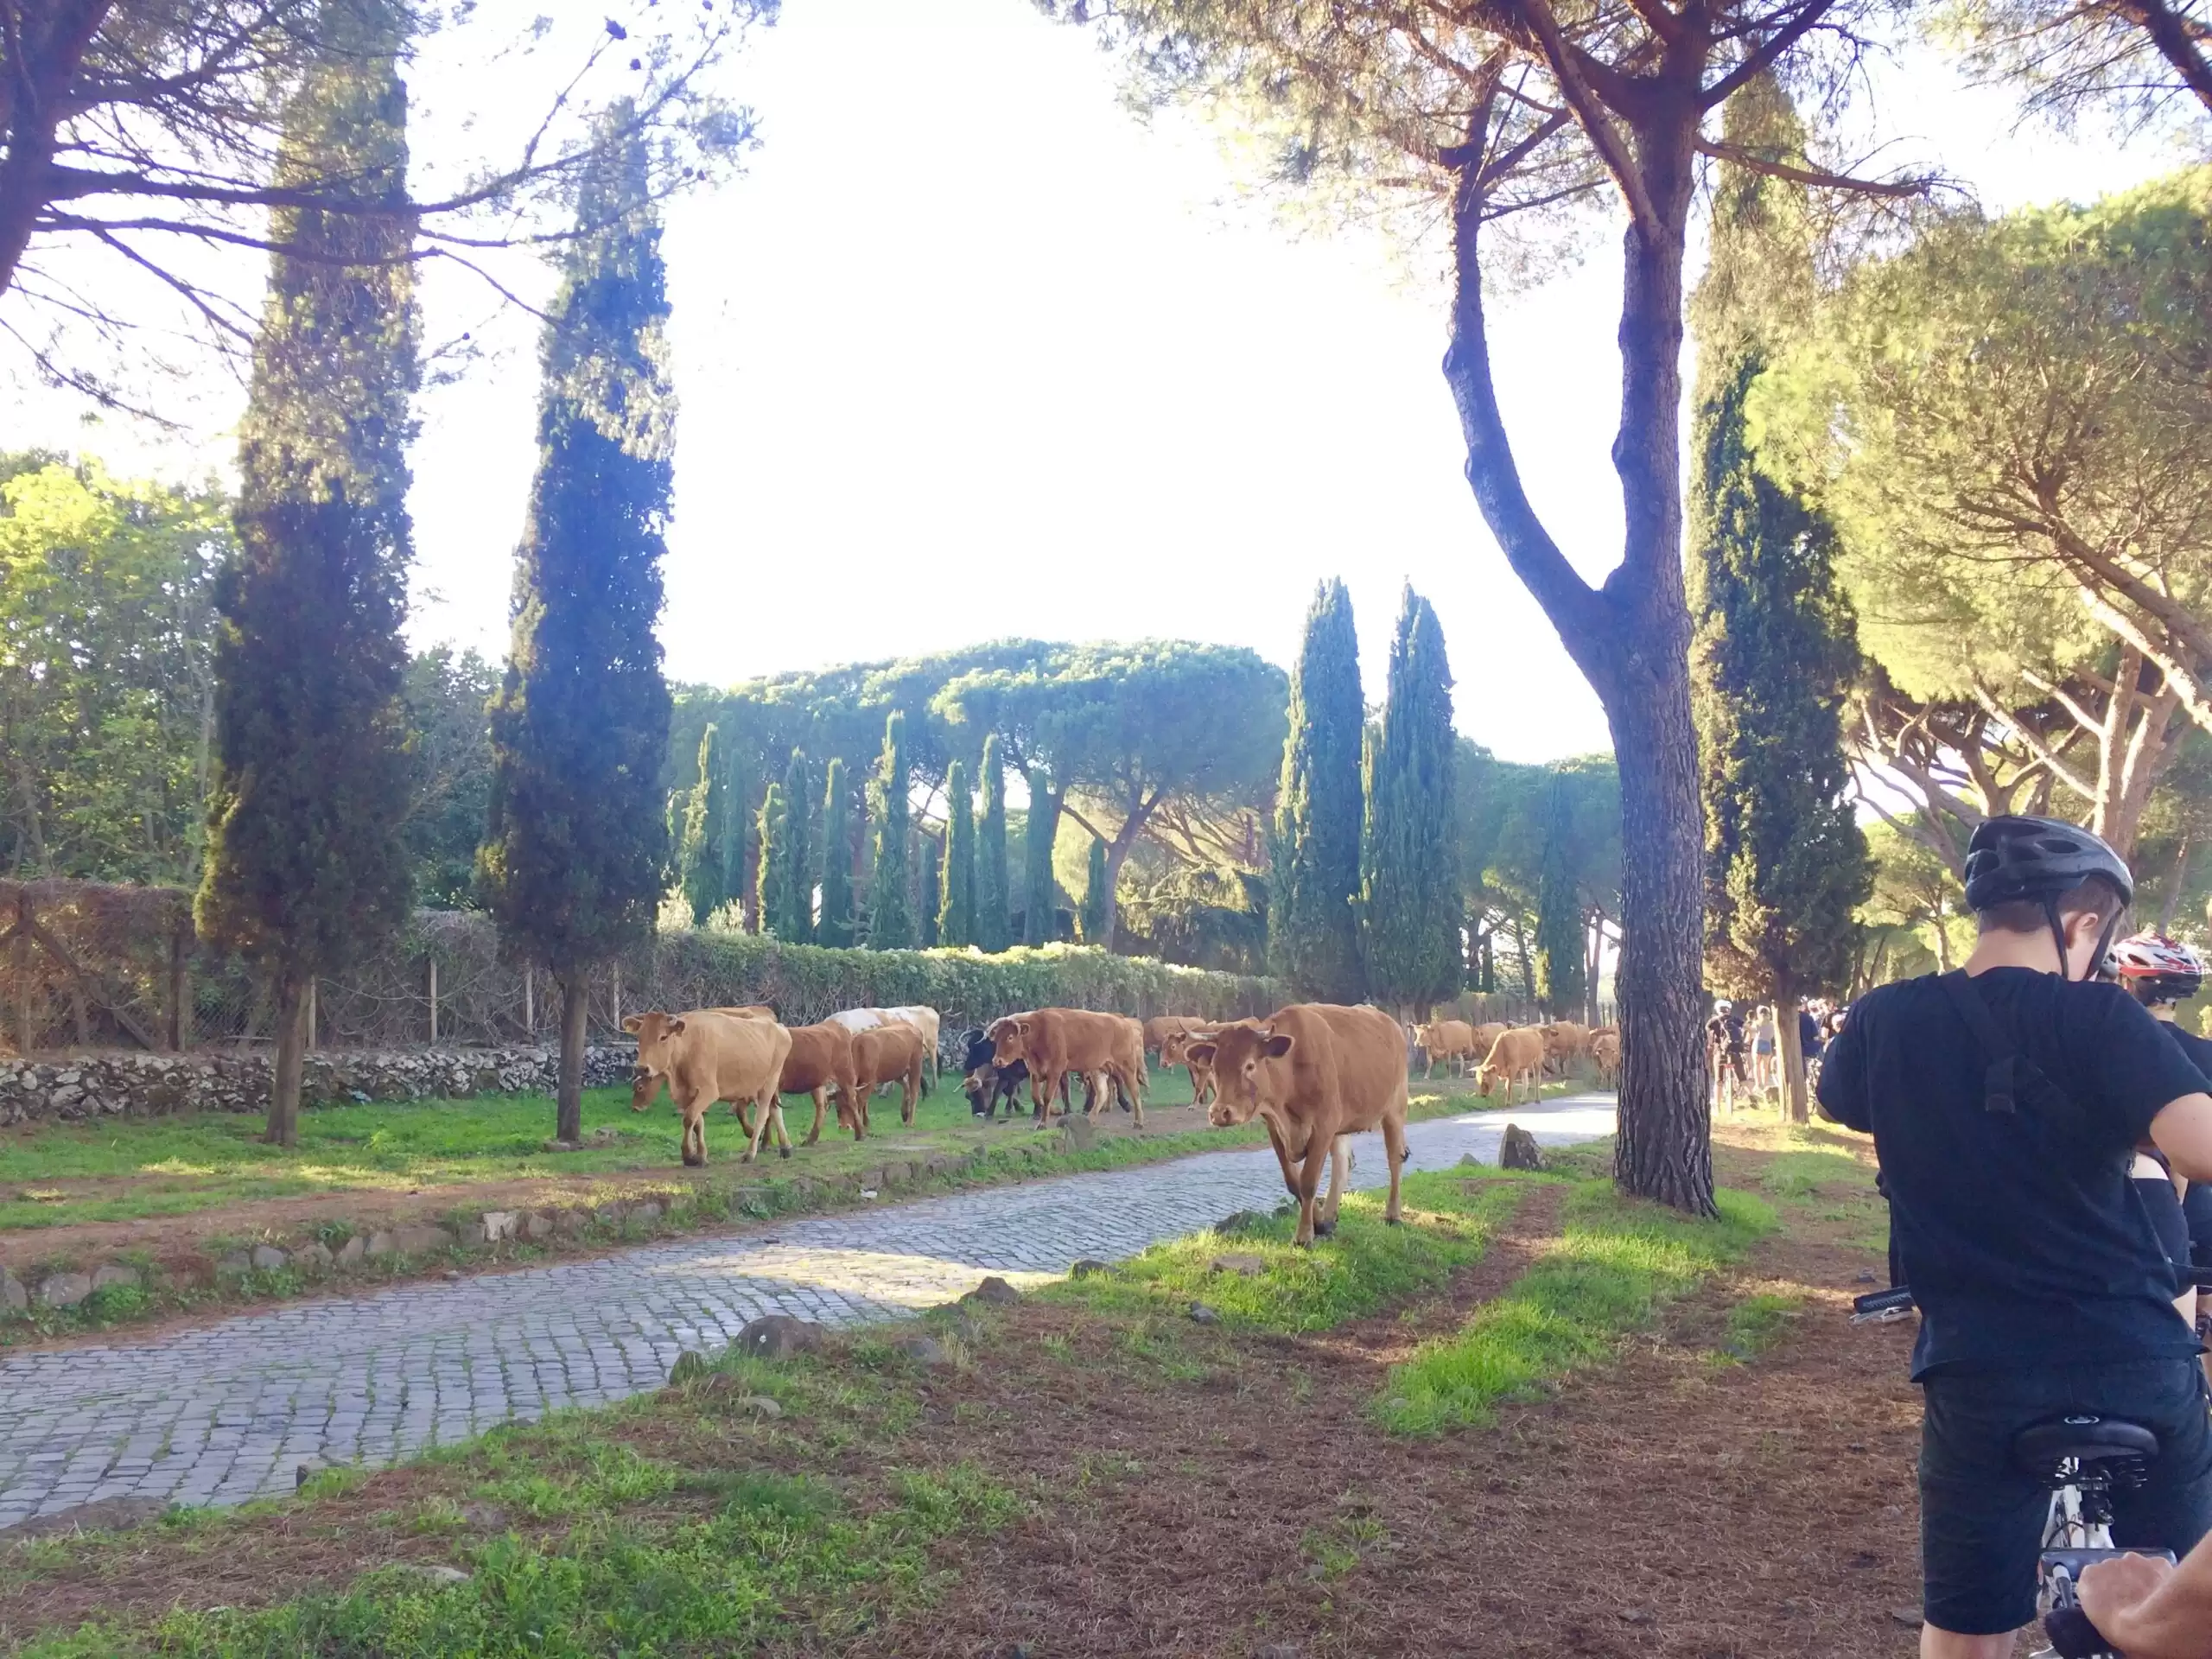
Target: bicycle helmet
x: 2158, y: 968
x: 2010, y: 858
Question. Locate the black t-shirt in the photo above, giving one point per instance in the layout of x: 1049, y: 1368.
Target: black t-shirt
x: 2197, y: 1203
x: 2021, y: 1234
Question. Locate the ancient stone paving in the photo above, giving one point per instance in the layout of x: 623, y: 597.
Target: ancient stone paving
x: 228, y: 1412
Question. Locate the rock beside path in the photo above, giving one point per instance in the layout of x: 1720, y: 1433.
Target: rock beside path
x: 1517, y: 1149
x: 777, y: 1336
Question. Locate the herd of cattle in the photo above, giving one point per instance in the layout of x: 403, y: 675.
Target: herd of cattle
x: 1314, y: 1073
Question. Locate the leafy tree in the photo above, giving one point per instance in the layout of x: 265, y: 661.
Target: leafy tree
x: 774, y: 887
x: 1561, y: 972
x: 305, y: 868
x: 738, y: 819
x: 1777, y: 648
x: 1127, y: 731
x: 1409, y: 890
x: 2138, y: 59
x: 449, y: 735
x: 928, y: 861
x: 577, y: 848
x: 955, y: 924
x: 1040, y: 894
x: 891, y: 919
x: 1097, y: 905
x: 107, y: 629
x: 2008, y: 423
x: 836, y: 924
x: 131, y: 129
x: 700, y: 857
x: 993, y: 889
x: 1312, y: 913
x: 797, y: 923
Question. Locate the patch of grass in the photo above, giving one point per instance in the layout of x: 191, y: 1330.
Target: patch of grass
x: 1756, y: 1323
x: 1615, y: 1263
x: 1810, y: 1174
x: 1364, y: 1265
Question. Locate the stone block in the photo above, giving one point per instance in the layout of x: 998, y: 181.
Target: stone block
x: 646, y: 1214
x: 536, y: 1224
x: 238, y: 1262
x: 65, y: 1289
x: 313, y: 1254
x: 351, y: 1252
x: 1517, y: 1149
x: 267, y: 1258
x: 498, y: 1225
x: 115, y: 1273
x: 777, y: 1336
x: 994, y: 1290
x: 12, y: 1293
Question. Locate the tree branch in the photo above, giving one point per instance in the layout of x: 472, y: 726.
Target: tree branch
x: 1764, y: 56
x: 1572, y: 67
x: 1813, y: 178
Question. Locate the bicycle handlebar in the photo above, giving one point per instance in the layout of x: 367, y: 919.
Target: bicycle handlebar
x: 2072, y: 1635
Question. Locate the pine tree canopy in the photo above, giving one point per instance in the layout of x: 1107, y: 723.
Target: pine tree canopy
x: 1313, y: 917
x: 1410, y: 894
x: 577, y: 847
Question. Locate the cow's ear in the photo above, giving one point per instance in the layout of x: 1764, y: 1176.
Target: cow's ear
x: 631, y: 1022
x: 1200, y: 1053
x: 1024, y: 1024
x: 675, y: 1026
x: 1279, y: 1044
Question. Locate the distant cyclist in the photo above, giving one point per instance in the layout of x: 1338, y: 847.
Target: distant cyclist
x: 2159, y: 972
x: 2006, y: 1099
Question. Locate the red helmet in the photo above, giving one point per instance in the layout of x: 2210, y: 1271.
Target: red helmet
x: 2167, y: 970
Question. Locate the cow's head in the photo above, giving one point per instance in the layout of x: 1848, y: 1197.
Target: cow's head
x: 657, y: 1034
x: 1421, y: 1035
x: 1010, y: 1036
x: 1247, y: 1070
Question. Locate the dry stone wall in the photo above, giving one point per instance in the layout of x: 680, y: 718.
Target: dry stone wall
x: 153, y: 1085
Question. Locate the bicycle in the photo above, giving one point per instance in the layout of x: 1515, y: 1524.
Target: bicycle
x: 2083, y: 1458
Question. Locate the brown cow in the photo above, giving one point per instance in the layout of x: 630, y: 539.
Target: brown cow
x: 1565, y: 1042
x: 1053, y: 1042
x: 1606, y: 1055
x: 1176, y: 1051
x: 1161, y: 1027
x: 821, y: 1064
x: 1314, y: 1073
x: 1447, y: 1040
x: 887, y: 1054
x: 707, y: 1056
x: 1514, y: 1055
x: 645, y: 1085
x: 1487, y: 1034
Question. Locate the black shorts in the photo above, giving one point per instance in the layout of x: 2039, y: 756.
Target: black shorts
x: 2197, y: 1211
x: 1982, y: 1514
x: 2164, y: 1206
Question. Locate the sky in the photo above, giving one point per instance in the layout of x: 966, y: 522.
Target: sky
x: 968, y: 351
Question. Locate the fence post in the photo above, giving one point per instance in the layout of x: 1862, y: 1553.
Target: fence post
x: 433, y: 999
x: 180, y: 984
x: 529, y: 1001
x: 617, y: 1020
x: 22, y: 964
x: 311, y: 1012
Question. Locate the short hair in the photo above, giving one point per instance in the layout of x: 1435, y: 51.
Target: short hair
x: 2095, y: 895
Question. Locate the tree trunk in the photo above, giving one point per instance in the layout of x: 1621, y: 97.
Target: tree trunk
x: 283, y: 1127
x: 2179, y: 880
x: 568, y: 1101
x: 1787, y: 1044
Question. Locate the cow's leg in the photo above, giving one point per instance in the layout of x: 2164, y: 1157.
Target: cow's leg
x: 1137, y: 1104
x: 913, y: 1088
x: 753, y: 1136
x: 1339, y: 1178
x: 1318, y: 1155
x: 1282, y: 1157
x: 820, y: 1107
x: 695, y: 1131
x: 774, y: 1108
x: 1394, y: 1148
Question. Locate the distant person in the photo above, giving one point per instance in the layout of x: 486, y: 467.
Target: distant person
x: 2159, y: 973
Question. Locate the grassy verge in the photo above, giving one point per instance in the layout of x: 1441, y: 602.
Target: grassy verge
x: 1616, y: 1262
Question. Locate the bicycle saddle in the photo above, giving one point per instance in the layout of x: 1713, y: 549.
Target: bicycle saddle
x: 2084, y: 1439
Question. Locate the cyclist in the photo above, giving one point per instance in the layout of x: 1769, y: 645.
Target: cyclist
x: 2150, y: 1611
x: 2159, y: 972
x: 1723, y: 1047
x: 2006, y: 1099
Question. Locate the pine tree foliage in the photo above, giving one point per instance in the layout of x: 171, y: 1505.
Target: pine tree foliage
x: 1040, y: 892
x: 1409, y: 890
x: 1095, y: 879
x: 955, y: 923
x: 835, y: 927
x: 890, y: 912
x: 577, y: 847
x: 1314, y: 897
x: 928, y: 860
x: 305, y: 864
x: 773, y: 887
x: 797, y: 922
x: 737, y: 824
x: 704, y: 832
x: 1775, y: 649
x: 994, y: 891
x: 1562, y: 970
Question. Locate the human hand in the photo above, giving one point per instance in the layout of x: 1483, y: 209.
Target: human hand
x: 2112, y: 1592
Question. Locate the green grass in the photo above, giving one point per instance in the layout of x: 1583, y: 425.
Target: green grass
x: 1616, y: 1262
x: 1756, y: 1323
x: 609, y: 1548
x: 1365, y: 1266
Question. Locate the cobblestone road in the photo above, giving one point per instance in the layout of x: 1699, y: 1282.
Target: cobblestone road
x: 225, y: 1412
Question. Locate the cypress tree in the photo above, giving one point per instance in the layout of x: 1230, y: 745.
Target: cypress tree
x: 576, y: 851
x: 1314, y: 897
x: 1094, y: 896
x: 928, y: 860
x: 773, y: 887
x: 993, y: 894
x: 1409, y: 890
x: 955, y: 924
x: 836, y: 924
x: 891, y: 917
x: 797, y: 922
x: 736, y: 842
x: 1561, y: 968
x: 704, y: 832
x: 305, y: 866
x: 1776, y: 647
x: 1040, y: 891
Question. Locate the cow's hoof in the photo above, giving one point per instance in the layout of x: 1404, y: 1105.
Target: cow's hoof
x: 784, y: 1150
x: 1324, y: 1229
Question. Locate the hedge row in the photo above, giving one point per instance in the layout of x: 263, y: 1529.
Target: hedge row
x: 703, y: 968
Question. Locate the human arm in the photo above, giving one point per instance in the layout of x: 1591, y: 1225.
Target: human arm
x: 1842, y: 1091
x: 2150, y: 1611
x: 2182, y: 1130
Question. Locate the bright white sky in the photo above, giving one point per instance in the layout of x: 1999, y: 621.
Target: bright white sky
x: 969, y: 352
